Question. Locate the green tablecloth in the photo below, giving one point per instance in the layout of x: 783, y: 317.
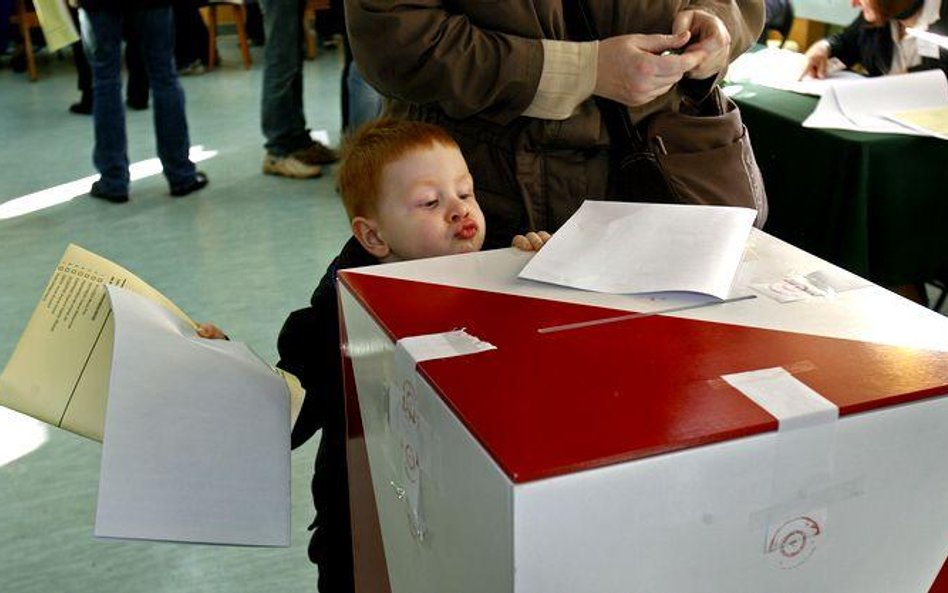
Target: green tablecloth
x: 876, y: 204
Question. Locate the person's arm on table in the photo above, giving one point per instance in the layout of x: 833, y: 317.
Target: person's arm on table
x: 843, y: 46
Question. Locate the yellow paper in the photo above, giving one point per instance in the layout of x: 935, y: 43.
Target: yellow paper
x: 57, y: 25
x: 932, y: 119
x: 59, y: 371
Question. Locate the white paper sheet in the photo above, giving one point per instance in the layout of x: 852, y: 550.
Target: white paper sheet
x: 781, y: 69
x: 928, y: 37
x: 197, y: 438
x: 864, y: 105
x: 626, y: 248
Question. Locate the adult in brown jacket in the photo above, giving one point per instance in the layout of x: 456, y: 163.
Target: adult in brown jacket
x: 517, y: 95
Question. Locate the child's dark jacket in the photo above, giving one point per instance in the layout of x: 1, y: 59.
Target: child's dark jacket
x: 309, y: 348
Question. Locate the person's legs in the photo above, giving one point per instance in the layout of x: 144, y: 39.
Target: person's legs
x: 156, y: 31
x: 283, y: 122
x: 330, y: 546
x: 6, y: 9
x: 255, y: 23
x: 83, y: 72
x: 365, y: 103
x: 102, y: 36
x: 191, y: 37
x: 136, y: 88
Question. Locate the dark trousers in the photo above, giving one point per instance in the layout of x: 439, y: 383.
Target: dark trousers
x: 136, y: 90
x: 191, y: 37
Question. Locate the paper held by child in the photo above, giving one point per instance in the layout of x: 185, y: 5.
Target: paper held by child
x: 196, y: 446
x: 197, y: 441
x: 59, y: 370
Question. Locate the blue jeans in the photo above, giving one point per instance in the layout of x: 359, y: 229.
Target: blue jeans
x: 282, y: 119
x: 102, y: 38
x: 365, y: 103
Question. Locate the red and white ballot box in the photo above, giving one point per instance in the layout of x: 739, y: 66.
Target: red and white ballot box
x: 512, y: 436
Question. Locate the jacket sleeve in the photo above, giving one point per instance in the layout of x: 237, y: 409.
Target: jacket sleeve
x: 420, y: 52
x: 298, y: 356
x: 744, y: 20
x: 845, y: 44
x: 308, y: 346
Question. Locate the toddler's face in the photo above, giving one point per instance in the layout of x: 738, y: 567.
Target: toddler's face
x: 427, y: 207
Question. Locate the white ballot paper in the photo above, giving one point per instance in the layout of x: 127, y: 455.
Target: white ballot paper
x: 197, y: 443
x: 928, y: 37
x: 628, y: 248
x: 867, y: 105
x: 781, y: 69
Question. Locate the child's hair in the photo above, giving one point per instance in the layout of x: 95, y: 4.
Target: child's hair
x: 374, y: 145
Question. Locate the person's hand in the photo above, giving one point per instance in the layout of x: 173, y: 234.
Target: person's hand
x: 710, y: 41
x: 632, y: 71
x: 817, y: 60
x: 210, y: 331
x: 531, y: 241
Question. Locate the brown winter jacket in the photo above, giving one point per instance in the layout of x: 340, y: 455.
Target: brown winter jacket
x: 473, y: 66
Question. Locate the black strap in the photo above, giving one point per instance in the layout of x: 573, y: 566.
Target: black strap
x: 582, y: 27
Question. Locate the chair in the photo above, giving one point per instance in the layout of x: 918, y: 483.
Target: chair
x: 25, y: 20
x: 239, y: 14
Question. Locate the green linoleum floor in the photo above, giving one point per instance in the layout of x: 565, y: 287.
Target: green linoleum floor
x: 242, y: 253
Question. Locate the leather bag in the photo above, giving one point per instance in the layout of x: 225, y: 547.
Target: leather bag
x: 699, y: 154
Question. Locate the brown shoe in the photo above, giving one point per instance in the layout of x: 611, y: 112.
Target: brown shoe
x: 316, y: 154
x: 289, y: 166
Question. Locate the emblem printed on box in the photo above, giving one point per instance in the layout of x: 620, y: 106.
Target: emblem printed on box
x: 793, y: 542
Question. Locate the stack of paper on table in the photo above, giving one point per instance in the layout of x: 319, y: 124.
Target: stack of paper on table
x: 781, y: 69
x: 899, y: 104
x: 628, y: 248
x: 202, y: 425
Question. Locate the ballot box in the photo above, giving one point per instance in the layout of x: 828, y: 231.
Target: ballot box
x: 511, y: 436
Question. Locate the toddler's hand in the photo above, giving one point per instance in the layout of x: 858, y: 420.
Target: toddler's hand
x: 211, y: 332
x: 531, y: 241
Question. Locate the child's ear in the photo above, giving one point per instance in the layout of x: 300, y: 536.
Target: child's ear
x: 366, y: 232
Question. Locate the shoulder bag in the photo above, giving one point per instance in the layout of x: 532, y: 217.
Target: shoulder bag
x: 699, y: 154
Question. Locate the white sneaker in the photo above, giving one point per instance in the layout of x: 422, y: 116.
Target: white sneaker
x: 289, y: 166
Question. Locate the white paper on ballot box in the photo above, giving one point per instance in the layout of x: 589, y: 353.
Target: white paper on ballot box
x: 196, y: 445
x: 630, y: 248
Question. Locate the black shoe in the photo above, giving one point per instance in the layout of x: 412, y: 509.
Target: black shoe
x: 96, y: 192
x: 81, y: 108
x: 200, y: 180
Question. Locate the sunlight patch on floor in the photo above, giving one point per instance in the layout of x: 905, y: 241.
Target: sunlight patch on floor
x: 65, y: 192
x: 19, y: 435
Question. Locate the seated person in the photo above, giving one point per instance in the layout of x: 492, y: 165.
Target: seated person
x: 877, y: 40
x: 409, y: 194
